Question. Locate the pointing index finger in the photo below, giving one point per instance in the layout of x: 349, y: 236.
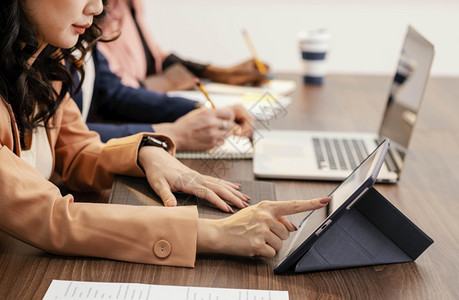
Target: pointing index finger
x: 283, y: 208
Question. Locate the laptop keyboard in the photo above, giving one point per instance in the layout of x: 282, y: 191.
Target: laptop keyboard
x: 339, y: 154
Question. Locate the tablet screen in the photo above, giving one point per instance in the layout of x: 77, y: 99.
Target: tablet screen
x: 368, y: 170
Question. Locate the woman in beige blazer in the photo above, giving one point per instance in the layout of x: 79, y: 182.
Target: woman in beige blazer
x: 41, y: 131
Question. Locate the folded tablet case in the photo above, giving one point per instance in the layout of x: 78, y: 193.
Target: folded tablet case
x: 372, y: 232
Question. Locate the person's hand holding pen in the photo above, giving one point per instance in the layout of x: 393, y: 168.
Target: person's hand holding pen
x: 253, y: 72
x: 200, y: 129
x: 241, y: 74
x: 244, y: 121
x: 205, y: 128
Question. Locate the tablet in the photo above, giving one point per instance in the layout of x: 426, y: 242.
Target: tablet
x: 343, y: 197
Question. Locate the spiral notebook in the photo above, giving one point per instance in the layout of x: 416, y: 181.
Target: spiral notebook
x: 235, y: 147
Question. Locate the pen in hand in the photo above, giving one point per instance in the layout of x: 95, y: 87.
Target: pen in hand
x: 199, y: 85
x: 260, y: 66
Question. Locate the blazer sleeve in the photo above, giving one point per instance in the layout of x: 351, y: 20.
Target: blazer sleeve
x: 109, y: 131
x: 83, y: 161
x: 33, y: 210
x: 113, y: 100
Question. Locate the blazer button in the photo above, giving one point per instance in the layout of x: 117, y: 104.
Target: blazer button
x: 162, y: 249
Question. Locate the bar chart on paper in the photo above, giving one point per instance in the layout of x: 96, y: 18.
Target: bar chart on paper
x: 67, y: 290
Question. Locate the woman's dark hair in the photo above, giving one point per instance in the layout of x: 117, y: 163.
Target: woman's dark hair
x: 29, y: 89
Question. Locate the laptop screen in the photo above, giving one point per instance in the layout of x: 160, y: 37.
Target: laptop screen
x: 406, y: 93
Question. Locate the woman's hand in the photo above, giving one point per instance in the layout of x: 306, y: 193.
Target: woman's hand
x: 244, y: 122
x: 205, y: 128
x: 200, y: 129
x: 166, y: 175
x: 241, y: 74
x: 258, y: 230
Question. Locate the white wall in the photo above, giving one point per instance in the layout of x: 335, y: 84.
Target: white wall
x: 366, y: 35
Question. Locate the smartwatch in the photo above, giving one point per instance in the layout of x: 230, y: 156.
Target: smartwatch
x: 151, y: 141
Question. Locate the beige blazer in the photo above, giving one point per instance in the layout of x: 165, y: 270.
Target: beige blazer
x: 33, y: 210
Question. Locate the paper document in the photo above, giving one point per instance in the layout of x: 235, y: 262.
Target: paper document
x: 263, y: 106
x: 61, y: 289
x: 275, y: 86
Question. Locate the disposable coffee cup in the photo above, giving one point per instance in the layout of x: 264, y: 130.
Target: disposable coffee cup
x: 314, y: 46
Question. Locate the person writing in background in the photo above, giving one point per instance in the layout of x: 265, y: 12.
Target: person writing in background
x: 138, y: 59
x: 42, y: 131
x: 115, y: 110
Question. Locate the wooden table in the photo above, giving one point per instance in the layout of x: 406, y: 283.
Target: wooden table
x: 427, y: 194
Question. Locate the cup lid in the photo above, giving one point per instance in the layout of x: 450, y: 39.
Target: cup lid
x: 317, y: 35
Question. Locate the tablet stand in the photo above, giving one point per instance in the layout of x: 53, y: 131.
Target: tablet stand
x: 372, y: 232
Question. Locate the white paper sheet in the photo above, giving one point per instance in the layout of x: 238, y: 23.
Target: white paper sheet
x: 62, y: 289
x: 263, y: 106
x: 275, y: 86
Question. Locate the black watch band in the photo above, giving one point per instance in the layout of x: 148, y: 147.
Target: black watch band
x: 151, y: 141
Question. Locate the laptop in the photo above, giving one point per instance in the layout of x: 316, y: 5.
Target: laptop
x: 333, y: 155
